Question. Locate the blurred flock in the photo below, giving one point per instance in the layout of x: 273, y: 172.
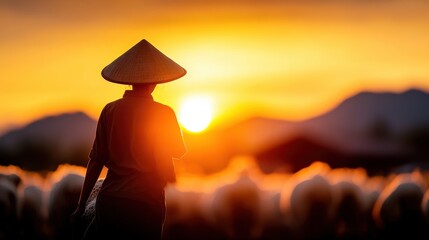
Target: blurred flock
x: 239, y: 202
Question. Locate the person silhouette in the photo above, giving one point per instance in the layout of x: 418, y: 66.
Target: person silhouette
x: 137, y: 139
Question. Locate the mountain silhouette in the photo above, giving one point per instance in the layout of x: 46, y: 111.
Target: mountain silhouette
x: 363, y: 129
x: 66, y: 130
x: 64, y: 138
x: 366, y: 123
x: 295, y: 154
x: 353, y: 123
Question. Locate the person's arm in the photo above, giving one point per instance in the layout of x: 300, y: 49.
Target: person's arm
x: 97, y: 158
x: 93, y: 172
x: 165, y: 167
x: 170, y: 146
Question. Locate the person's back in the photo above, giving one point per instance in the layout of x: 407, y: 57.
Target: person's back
x: 136, y: 139
x: 136, y: 127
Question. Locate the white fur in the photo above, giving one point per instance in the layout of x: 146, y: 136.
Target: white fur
x: 309, y: 209
x: 237, y: 209
x: 397, y: 211
x: 63, y: 199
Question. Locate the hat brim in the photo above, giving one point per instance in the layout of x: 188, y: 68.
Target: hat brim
x: 142, y: 64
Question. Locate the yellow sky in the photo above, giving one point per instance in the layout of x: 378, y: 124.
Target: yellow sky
x: 288, y: 59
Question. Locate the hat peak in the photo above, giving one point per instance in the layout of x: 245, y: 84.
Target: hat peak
x: 142, y: 63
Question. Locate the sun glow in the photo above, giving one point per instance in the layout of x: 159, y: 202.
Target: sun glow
x: 196, y: 113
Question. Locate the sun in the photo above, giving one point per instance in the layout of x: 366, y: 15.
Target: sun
x: 196, y: 113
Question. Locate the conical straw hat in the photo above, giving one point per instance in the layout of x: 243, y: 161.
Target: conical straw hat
x: 142, y: 63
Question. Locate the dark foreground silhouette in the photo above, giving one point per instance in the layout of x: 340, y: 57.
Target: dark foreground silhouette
x: 241, y: 202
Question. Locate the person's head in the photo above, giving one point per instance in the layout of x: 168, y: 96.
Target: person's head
x: 144, y: 87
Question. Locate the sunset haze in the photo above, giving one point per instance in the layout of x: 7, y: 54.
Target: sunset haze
x: 283, y: 59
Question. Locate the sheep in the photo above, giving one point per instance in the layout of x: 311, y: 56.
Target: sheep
x: 350, y: 204
x: 425, y: 206
x: 9, y: 225
x: 272, y: 217
x: 184, y: 216
x: 398, y: 209
x: 309, y: 208
x: 63, y: 199
x: 372, y: 189
x: 236, y: 209
x: 33, y: 218
x: 354, y: 198
x: 271, y: 186
x: 317, y: 202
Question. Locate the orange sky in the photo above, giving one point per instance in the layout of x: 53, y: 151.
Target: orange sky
x: 290, y: 59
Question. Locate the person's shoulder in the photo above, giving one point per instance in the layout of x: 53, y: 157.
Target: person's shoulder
x: 109, y: 106
x: 164, y: 112
x: 112, y: 103
x: 164, y: 108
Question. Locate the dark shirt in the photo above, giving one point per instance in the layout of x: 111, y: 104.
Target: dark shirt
x: 137, y: 139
